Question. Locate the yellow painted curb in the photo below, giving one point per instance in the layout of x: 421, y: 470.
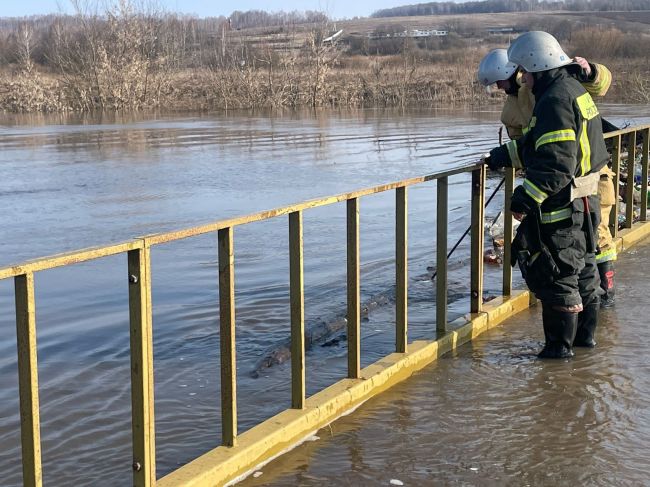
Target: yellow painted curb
x: 631, y: 236
x: 286, y: 430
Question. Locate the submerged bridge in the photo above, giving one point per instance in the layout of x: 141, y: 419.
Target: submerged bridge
x: 242, y: 453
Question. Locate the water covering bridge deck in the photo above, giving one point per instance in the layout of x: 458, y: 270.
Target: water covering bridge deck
x: 244, y: 450
x: 491, y: 413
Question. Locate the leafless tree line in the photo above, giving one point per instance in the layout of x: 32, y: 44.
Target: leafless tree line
x: 499, y: 6
x: 133, y: 55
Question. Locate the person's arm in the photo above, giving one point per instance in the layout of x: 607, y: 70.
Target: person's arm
x: 553, y: 164
x: 595, y: 78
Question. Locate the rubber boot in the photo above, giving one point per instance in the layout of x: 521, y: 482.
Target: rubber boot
x: 559, y: 330
x: 606, y: 271
x: 587, y: 323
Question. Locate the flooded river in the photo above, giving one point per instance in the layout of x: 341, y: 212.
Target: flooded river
x: 69, y: 183
x: 492, y: 414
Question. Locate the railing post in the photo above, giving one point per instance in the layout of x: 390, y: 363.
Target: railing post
x: 401, y: 269
x: 507, y: 231
x: 30, y: 430
x: 297, y: 298
x: 616, y: 167
x: 227, y: 337
x: 354, y: 292
x: 629, y: 186
x: 142, y: 399
x: 476, y: 278
x: 442, y: 209
x: 644, y: 175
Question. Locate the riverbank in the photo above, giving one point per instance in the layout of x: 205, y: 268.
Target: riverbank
x: 128, y: 59
x: 382, y: 83
x: 378, y: 83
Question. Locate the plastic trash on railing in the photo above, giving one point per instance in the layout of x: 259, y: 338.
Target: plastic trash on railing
x: 495, y: 230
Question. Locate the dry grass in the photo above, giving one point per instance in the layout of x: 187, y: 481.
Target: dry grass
x: 121, y: 64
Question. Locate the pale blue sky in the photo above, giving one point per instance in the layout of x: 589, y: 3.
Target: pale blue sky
x: 335, y: 8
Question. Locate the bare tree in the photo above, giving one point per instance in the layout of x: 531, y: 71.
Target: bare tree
x: 25, y: 46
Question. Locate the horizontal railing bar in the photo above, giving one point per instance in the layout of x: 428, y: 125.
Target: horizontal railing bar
x: 84, y: 255
x: 92, y: 253
x: 156, y: 239
x: 625, y: 131
x: 68, y: 258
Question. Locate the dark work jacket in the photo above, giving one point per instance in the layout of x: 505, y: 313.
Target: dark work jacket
x: 563, y: 140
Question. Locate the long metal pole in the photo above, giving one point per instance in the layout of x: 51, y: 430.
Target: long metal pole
x: 470, y: 227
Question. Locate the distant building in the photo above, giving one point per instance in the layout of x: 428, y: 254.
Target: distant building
x: 427, y: 33
x: 502, y: 30
x: 415, y: 33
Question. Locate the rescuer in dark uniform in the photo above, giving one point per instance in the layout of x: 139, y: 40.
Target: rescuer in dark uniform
x: 562, y: 150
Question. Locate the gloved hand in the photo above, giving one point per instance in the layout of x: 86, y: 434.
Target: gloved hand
x: 521, y: 202
x: 490, y: 162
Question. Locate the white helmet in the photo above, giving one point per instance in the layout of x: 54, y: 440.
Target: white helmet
x: 537, y: 51
x: 495, y: 67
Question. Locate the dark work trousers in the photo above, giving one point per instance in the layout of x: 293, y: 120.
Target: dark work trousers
x: 571, y: 244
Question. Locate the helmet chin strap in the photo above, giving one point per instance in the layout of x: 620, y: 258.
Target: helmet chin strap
x: 514, y: 83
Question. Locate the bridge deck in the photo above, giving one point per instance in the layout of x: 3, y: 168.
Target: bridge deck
x: 493, y: 414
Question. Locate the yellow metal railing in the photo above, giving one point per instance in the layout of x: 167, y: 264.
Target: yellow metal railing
x: 629, y: 137
x: 140, y: 313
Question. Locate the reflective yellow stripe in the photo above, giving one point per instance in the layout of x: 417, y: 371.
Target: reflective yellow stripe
x: 531, y: 124
x: 585, y: 148
x: 534, y: 192
x: 556, y: 216
x: 606, y: 256
x: 601, y: 84
x: 555, y: 136
x: 587, y: 106
x: 514, y: 155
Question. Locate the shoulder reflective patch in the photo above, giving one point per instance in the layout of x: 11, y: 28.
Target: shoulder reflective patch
x: 587, y: 106
x: 555, y: 136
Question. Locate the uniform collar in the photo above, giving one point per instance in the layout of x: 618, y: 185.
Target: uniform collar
x: 544, y: 79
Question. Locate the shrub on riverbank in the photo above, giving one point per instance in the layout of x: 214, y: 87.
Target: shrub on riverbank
x: 381, y: 83
x: 125, y: 59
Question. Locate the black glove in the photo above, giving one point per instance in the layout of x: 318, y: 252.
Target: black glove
x: 521, y: 202
x: 490, y: 162
x: 497, y: 158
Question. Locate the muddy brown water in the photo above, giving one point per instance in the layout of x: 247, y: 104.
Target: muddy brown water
x: 72, y: 182
x: 493, y: 414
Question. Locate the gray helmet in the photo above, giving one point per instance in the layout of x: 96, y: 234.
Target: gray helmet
x: 495, y: 67
x: 537, y: 51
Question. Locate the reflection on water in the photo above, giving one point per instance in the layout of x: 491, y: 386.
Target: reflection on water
x: 75, y: 182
